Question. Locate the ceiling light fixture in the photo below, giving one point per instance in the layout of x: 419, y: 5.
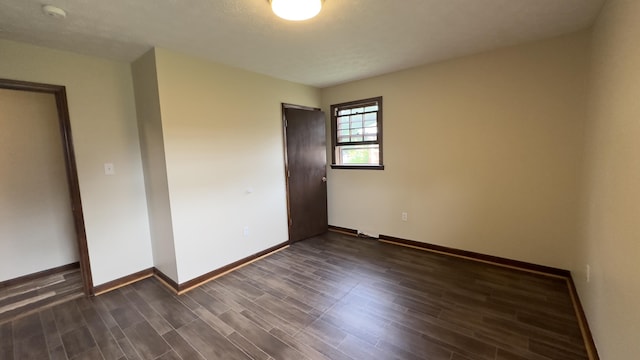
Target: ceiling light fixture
x: 296, y: 10
x: 54, y: 11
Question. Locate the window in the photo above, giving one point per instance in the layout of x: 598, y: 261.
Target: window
x: 356, y: 129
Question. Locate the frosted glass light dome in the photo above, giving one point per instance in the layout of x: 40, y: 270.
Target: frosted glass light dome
x: 296, y: 10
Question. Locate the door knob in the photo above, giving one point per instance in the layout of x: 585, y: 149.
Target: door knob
x: 324, y: 179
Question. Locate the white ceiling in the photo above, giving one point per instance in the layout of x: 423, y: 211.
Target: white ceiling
x: 349, y: 40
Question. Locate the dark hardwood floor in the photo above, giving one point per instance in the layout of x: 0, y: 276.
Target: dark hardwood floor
x: 330, y: 297
x: 31, y: 295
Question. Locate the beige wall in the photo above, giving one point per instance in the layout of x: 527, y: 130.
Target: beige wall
x: 223, y: 136
x: 612, y: 183
x: 103, y: 122
x: 36, y: 224
x: 145, y: 82
x: 483, y: 153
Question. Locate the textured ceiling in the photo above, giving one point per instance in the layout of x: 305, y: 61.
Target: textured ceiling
x: 349, y: 40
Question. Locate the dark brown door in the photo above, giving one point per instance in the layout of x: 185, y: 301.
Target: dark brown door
x: 306, y: 165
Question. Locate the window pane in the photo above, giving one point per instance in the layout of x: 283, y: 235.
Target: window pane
x: 359, y: 154
x: 357, y: 110
x: 342, y: 133
x: 370, y: 138
x: 371, y: 119
x: 343, y: 120
x: 343, y: 126
x: 344, y: 112
x: 371, y: 130
x: 356, y: 121
x: 371, y: 108
x: 356, y: 138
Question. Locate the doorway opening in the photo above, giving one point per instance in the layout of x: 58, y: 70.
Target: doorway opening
x: 64, y: 126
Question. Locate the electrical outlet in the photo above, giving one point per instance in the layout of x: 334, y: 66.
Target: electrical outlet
x: 588, y: 272
x: 245, y: 231
x: 404, y: 216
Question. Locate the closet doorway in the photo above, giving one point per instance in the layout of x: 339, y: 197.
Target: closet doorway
x: 29, y: 212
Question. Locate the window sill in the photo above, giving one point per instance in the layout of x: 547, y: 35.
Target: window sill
x: 358, y: 167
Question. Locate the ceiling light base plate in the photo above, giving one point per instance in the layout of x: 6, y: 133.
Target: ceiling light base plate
x: 54, y: 11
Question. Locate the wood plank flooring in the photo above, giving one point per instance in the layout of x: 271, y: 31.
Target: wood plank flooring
x: 329, y: 297
x: 29, y: 296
